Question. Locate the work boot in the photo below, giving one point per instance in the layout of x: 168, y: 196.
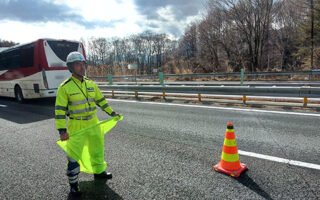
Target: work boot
x: 103, y: 175
x: 75, y: 190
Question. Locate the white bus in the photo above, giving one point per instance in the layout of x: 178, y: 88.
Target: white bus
x: 36, y: 69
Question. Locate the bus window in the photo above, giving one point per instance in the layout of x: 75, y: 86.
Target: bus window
x: 27, y: 56
x: 12, y: 59
x: 63, y: 48
x: 2, y: 62
x: 17, y: 58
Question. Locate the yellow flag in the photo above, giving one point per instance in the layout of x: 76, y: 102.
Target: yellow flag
x: 86, y: 146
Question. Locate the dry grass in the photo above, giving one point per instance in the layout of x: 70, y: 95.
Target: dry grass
x: 121, y: 69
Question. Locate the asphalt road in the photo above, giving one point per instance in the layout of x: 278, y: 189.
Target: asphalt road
x: 162, y: 151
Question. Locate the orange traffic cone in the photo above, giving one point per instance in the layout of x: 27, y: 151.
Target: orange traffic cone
x: 230, y: 163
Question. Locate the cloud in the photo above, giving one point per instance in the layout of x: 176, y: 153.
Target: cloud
x: 171, y: 16
x: 154, y: 25
x: 34, y: 11
x: 181, y: 8
x: 98, y: 17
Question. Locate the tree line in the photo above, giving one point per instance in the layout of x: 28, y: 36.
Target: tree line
x: 150, y: 51
x: 6, y: 43
x: 255, y: 35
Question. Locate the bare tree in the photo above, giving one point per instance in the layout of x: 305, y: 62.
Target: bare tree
x: 188, y: 46
x: 309, y: 26
x: 5, y: 43
x: 137, y: 42
x: 210, y: 39
x: 149, y: 48
x: 252, y: 20
x: 159, y: 43
x: 99, y: 47
x: 285, y: 32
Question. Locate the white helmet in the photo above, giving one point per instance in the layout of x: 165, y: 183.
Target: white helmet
x: 74, y: 56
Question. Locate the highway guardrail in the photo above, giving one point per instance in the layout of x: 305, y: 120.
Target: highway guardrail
x: 310, y: 92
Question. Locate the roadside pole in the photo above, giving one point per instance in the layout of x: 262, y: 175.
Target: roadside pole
x: 161, y: 78
x: 110, y: 79
x: 242, y: 75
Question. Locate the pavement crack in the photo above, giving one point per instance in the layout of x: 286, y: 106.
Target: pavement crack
x: 287, y: 157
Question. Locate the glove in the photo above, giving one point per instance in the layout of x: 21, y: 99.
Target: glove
x: 113, y: 114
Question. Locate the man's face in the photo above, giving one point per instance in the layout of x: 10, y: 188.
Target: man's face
x: 80, y: 68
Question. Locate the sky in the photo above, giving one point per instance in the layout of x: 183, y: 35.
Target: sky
x: 24, y: 21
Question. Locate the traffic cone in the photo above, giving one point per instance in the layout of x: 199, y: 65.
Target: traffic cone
x: 230, y: 163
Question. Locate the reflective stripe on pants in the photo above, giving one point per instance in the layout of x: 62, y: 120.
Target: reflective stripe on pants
x: 73, y: 169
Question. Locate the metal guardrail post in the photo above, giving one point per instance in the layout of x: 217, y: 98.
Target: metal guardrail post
x: 161, y: 78
x: 110, y: 79
x: 244, y: 99
x: 305, y: 101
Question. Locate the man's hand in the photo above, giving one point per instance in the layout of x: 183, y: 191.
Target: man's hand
x: 64, y: 136
x: 119, y: 116
x: 113, y: 114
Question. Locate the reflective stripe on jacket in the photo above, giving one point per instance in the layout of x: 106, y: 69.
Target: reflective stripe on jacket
x: 74, y: 102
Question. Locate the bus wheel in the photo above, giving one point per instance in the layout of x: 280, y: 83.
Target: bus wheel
x: 18, y: 94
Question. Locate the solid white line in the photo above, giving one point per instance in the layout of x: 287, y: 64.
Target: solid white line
x: 4, y: 106
x: 221, y: 108
x: 280, y: 160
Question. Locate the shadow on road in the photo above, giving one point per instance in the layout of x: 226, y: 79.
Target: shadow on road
x: 32, y: 110
x: 245, y: 180
x: 97, y: 189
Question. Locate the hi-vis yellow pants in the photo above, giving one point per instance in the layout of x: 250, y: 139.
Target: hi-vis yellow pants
x: 87, y: 148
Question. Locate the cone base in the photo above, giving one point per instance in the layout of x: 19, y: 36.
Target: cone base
x: 233, y: 173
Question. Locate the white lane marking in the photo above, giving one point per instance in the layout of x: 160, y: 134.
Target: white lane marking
x: 3, y: 106
x: 221, y: 108
x: 280, y: 160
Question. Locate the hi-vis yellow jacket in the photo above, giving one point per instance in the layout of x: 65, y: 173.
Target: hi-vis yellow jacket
x: 78, y: 99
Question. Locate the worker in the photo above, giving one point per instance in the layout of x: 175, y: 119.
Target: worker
x: 76, y: 99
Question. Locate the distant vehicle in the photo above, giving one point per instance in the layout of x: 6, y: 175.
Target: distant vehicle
x: 36, y: 69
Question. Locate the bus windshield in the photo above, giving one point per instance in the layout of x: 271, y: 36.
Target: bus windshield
x: 63, y: 48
